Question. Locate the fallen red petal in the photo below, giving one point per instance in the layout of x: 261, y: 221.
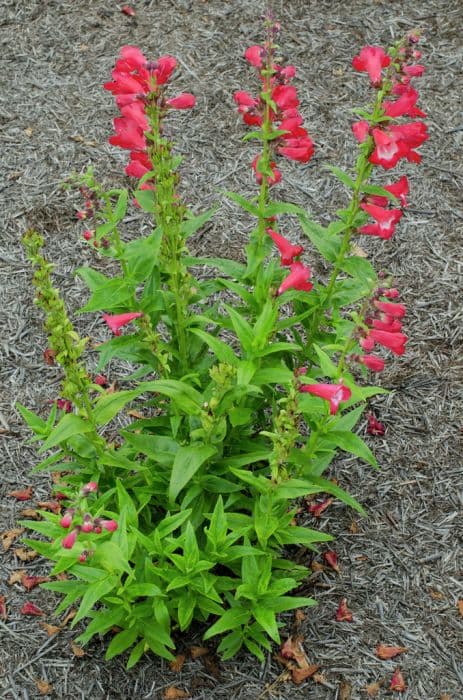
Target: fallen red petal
x: 398, y: 681
x: 385, y: 651
x: 127, y: 10
x: 31, y: 609
x: 331, y: 559
x: 343, y: 614
x: 30, y: 582
x: 23, y: 495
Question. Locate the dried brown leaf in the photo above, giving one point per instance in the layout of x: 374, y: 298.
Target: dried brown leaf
x: 320, y: 678
x: 299, y: 675
x: 445, y: 696
x: 436, y: 595
x: 373, y: 689
x: 3, y: 610
x: 77, y: 650
x: 196, y: 652
x: 8, y: 537
x: 44, y: 687
x: 345, y: 691
x: 387, y: 651
x: 70, y: 616
x: 177, y: 664
x: 316, y: 566
x: 174, y: 693
x: 354, y: 528
x: 50, y: 629
x: 25, y: 554
x: 22, y: 494
x: 53, y: 506
x: 31, y: 513
x: 17, y: 576
x: 398, y: 681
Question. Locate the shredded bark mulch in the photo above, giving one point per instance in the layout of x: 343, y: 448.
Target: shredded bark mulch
x: 401, y: 568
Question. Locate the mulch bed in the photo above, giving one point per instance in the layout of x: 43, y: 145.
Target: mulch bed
x: 401, y: 567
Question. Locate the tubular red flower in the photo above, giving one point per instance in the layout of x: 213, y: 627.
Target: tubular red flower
x: 396, y: 142
x: 69, y: 541
x: 184, y: 101
x: 393, y: 341
x: 392, y: 325
x: 386, y: 220
x: 361, y: 130
x: 67, y: 518
x: 129, y: 135
x: 399, y: 189
x: 288, y: 251
x: 371, y: 60
x: 298, y: 279
x: 109, y: 525
x: 333, y: 393
x: 285, y: 96
x: 376, y: 364
x: 405, y: 105
x: 91, y: 487
x: 254, y: 55
x: 394, y: 310
x: 116, y: 321
x: 163, y: 69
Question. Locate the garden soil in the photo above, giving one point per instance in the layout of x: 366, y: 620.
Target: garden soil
x: 401, y: 567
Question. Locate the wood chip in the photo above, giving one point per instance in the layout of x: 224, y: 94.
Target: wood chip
x: 44, y: 687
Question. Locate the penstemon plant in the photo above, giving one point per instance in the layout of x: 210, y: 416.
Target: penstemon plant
x: 245, y: 386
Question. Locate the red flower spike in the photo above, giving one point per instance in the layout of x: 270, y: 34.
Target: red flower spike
x: 129, y: 135
x: 184, y: 101
x: 31, y: 609
x: 331, y: 559
x: 371, y: 60
x: 298, y: 279
x: 374, y: 427
x: 343, y: 614
x: 398, y: 681
x: 116, y: 322
x: 316, y: 509
x: 333, y: 393
x: 69, y: 541
x: 287, y: 250
x: 376, y: 364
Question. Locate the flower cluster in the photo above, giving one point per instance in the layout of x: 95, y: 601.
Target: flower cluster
x: 86, y: 523
x: 383, y: 327
x: 275, y: 110
x: 299, y: 274
x: 138, y: 85
x: 391, y: 142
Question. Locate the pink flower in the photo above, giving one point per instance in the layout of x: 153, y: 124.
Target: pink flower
x: 135, y: 111
x: 361, y: 130
x: 415, y: 71
x: 297, y: 146
x: 88, y: 235
x: 371, y: 60
x: 386, y: 324
x: 31, y: 609
x: 101, y: 380
x: 163, y: 68
x: 87, y: 525
x: 396, y: 142
x: 386, y: 220
x: 248, y: 106
x: 288, y: 251
x: 184, y: 101
x: 109, y: 525
x: 393, y: 341
x: 139, y: 164
x: 116, y: 322
x: 91, y: 487
x: 376, y: 364
x: 69, y: 541
x: 334, y: 393
x: 254, y: 55
x: 405, y: 105
x: 133, y: 58
x: 66, y: 520
x: 298, y: 279
x: 126, y: 84
x: 394, y: 310
x: 128, y: 10
x: 399, y: 189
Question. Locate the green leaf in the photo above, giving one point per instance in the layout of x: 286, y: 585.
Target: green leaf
x: 121, y: 206
x: 122, y: 641
x: 102, y: 623
x: 111, y: 558
x: 341, y: 175
x: 187, y: 399
x: 35, y: 423
x: 161, y: 448
x: 230, y: 620
x: 359, y: 267
x: 147, y: 200
x: 242, y: 328
x: 221, y: 350
x: 243, y: 202
x: 185, y: 610
x: 95, y: 592
x: 278, y: 347
x: 186, y: 463
x: 266, y: 619
x: 92, y: 278
x: 376, y: 190
x: 240, y: 416
x: 136, y: 654
x: 301, y: 536
x: 194, y: 223
x: 69, y: 425
x: 108, y: 405
x: 327, y: 244
x: 351, y: 443
x: 276, y: 208
x: 293, y: 488
x: 228, y: 267
x: 109, y: 296
x: 327, y: 366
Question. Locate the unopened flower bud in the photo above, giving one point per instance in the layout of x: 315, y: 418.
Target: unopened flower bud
x: 88, y: 235
x: 101, y: 380
x: 70, y: 540
x: 87, y: 525
x: 66, y: 520
x: 109, y: 525
x: 91, y: 487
